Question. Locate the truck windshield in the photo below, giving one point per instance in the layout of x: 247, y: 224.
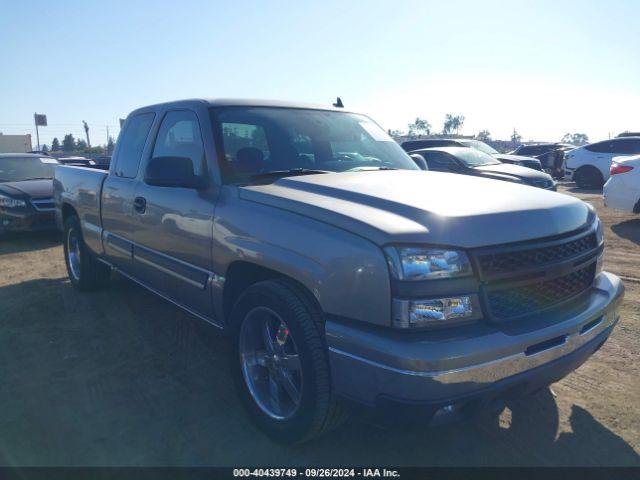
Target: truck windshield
x: 478, y: 145
x: 475, y: 158
x: 16, y: 169
x: 259, y: 141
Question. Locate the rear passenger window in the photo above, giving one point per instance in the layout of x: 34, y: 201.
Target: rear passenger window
x: 602, y: 147
x: 131, y: 145
x: 627, y: 146
x: 180, y: 136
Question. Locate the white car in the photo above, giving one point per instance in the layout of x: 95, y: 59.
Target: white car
x: 622, y: 190
x: 589, y: 165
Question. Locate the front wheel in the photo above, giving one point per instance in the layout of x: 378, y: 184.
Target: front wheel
x: 85, y: 271
x: 280, y: 362
x: 587, y: 177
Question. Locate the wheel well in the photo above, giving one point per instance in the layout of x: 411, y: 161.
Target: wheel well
x: 589, y: 168
x: 67, y: 211
x: 241, y: 275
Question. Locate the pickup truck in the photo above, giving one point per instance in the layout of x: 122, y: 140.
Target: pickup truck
x: 343, y: 274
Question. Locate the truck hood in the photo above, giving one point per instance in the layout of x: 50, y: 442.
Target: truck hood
x: 502, y: 170
x: 407, y: 206
x: 30, y: 188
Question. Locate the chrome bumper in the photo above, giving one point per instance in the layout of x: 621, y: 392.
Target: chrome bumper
x: 369, y: 364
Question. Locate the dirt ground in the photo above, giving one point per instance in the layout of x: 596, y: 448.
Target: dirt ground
x: 121, y: 377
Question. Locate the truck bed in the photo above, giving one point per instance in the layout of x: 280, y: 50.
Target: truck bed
x: 80, y: 188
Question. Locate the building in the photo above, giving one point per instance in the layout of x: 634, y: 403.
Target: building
x: 15, y: 143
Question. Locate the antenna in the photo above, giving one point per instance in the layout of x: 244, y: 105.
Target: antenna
x: 338, y: 103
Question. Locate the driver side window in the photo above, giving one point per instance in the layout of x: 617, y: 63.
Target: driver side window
x: 180, y: 136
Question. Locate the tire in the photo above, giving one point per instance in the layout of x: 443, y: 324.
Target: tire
x: 587, y: 177
x: 85, y: 272
x: 317, y: 410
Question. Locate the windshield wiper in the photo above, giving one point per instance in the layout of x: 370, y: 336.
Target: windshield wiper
x: 293, y: 172
x: 37, y: 178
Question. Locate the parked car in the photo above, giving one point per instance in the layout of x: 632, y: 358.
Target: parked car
x: 40, y: 153
x: 77, y: 161
x: 339, y: 277
x: 529, y: 162
x: 551, y: 155
x: 589, y: 165
x: 468, y: 161
x: 622, y: 190
x: 26, y: 192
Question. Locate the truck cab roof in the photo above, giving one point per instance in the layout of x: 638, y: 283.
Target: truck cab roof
x: 238, y: 102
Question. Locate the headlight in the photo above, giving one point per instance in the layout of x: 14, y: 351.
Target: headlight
x: 432, y: 312
x: 426, y: 263
x: 9, y: 202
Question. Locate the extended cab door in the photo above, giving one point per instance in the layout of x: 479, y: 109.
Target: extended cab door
x: 173, y: 239
x: 118, y: 221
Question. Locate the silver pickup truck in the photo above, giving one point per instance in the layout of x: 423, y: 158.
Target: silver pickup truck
x: 342, y: 272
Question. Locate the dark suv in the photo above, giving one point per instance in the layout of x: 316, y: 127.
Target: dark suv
x: 413, y: 145
x: 551, y: 155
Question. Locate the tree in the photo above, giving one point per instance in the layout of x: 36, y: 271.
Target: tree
x: 80, y: 144
x: 419, y: 127
x: 576, y: 138
x: 516, y: 138
x: 110, y: 145
x: 55, y: 145
x: 484, y: 135
x: 44, y: 148
x: 68, y: 143
x: 452, y: 123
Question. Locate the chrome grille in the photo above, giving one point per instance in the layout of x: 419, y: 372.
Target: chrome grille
x: 520, y: 280
x: 520, y: 301
x: 497, y: 263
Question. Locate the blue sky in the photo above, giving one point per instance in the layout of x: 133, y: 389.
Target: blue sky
x: 543, y: 67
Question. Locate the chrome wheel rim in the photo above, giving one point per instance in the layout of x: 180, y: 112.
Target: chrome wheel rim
x: 270, y: 363
x: 73, y: 253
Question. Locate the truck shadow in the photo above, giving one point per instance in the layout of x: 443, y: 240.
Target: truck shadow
x: 629, y: 229
x: 27, y: 241
x: 587, y: 191
x: 120, y: 377
x: 527, y: 432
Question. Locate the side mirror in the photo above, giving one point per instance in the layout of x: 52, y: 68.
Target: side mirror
x: 174, y: 172
x: 419, y: 161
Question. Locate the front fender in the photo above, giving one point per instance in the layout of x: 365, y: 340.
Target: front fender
x: 347, y: 274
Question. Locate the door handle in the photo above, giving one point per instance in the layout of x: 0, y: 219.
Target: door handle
x: 140, y: 204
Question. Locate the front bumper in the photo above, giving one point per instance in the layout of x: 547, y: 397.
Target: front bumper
x: 374, y: 366
x: 26, y: 220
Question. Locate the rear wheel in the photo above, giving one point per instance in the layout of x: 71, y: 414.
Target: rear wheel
x: 280, y: 363
x: 85, y: 271
x: 587, y: 177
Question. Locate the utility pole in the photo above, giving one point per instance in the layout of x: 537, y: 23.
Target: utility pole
x: 106, y: 147
x: 86, y: 130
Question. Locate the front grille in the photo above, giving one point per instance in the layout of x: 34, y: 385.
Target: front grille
x: 516, y: 302
x: 500, y: 263
x: 44, y: 204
